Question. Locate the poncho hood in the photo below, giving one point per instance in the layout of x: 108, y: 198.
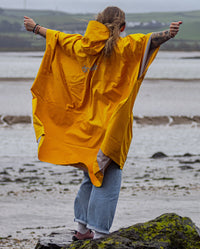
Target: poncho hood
x: 95, y: 37
x: 82, y: 101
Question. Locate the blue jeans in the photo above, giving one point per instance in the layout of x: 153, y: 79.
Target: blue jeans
x: 95, y: 206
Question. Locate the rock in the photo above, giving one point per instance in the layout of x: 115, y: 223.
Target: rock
x: 157, y: 120
x: 17, y: 119
x: 190, y: 162
x: 186, y: 167
x: 196, y: 119
x: 187, y: 155
x: 163, y: 179
x: 55, y: 240
x: 159, y: 155
x: 168, y: 231
x: 6, y: 179
x: 1, y: 120
x: 177, y: 120
x: 165, y: 120
x: 4, y: 172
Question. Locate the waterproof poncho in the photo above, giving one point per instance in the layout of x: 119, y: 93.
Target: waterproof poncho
x: 83, y: 101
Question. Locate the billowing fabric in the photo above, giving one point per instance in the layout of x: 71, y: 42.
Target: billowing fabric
x: 83, y: 101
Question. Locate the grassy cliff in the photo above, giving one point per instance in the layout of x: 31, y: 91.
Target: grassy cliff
x: 14, y: 37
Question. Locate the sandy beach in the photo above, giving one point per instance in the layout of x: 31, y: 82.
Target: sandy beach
x: 37, y: 198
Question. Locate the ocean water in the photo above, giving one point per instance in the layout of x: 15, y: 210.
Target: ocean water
x: 171, y: 86
x: 167, y: 65
x: 37, y: 197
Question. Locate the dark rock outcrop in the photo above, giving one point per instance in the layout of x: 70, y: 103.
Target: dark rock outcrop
x: 169, y: 231
x: 158, y: 155
x: 177, y: 120
x: 56, y: 240
x: 0, y: 120
x: 167, y: 120
x: 17, y: 119
x: 160, y: 120
x: 196, y: 119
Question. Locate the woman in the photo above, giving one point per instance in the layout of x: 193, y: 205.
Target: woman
x: 83, y: 98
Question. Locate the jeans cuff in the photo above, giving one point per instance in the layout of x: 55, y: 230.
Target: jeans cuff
x: 97, y: 230
x: 80, y: 221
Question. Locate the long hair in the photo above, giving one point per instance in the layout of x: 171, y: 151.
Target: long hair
x: 113, y: 18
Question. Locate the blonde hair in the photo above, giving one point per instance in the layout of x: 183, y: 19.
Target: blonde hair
x: 113, y: 18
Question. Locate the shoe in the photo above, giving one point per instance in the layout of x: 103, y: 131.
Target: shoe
x: 79, y: 236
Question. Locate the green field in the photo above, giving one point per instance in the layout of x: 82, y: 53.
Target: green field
x: 191, y: 22
x: 14, y: 37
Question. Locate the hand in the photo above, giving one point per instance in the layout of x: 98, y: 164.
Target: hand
x: 174, y: 28
x: 29, y: 23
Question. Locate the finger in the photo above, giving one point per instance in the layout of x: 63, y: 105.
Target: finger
x: 177, y: 23
x: 174, y: 28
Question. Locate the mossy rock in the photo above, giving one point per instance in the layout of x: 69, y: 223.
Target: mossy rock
x: 169, y: 231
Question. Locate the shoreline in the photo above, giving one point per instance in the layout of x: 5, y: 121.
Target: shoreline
x: 13, y: 79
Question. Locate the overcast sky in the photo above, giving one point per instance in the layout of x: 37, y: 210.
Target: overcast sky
x: 93, y: 6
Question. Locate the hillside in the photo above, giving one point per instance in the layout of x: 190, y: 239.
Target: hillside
x: 14, y: 37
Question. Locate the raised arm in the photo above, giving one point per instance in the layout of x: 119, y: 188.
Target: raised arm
x: 31, y: 26
x: 159, y: 38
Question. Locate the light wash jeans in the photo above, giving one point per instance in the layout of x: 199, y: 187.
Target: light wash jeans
x: 95, y: 206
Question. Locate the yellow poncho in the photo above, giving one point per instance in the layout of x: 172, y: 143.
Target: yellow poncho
x: 83, y: 101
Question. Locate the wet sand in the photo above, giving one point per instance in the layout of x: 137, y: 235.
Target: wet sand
x: 37, y: 198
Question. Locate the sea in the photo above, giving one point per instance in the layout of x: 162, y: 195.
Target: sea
x: 37, y: 198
